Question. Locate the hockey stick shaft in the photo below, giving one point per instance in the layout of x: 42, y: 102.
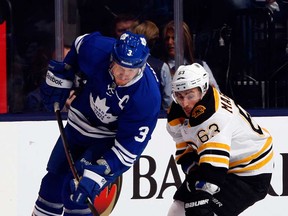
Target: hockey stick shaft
x: 69, y: 155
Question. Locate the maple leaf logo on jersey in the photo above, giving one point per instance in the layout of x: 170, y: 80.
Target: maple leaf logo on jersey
x: 197, y: 111
x: 100, y: 109
x: 111, y: 89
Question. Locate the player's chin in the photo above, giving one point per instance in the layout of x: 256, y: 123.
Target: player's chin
x: 187, y: 112
x: 120, y: 82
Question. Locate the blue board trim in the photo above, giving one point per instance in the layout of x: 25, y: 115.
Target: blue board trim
x: 51, y: 116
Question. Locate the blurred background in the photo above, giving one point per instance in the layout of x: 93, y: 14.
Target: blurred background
x: 245, y: 43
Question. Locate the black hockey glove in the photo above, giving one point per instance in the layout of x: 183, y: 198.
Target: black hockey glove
x: 199, y: 204
x: 199, y: 200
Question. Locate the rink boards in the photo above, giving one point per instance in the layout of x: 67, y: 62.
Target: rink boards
x: 146, y: 189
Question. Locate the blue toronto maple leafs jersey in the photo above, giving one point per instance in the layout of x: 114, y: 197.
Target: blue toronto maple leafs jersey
x: 102, y: 110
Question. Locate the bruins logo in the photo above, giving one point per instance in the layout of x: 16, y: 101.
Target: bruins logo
x: 197, y: 111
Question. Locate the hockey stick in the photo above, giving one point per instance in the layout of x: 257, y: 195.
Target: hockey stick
x: 69, y: 155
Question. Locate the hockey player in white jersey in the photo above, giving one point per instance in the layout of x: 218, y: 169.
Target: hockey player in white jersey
x: 226, y: 156
x: 109, y: 122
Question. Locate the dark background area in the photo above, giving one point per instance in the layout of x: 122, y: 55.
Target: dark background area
x: 251, y: 66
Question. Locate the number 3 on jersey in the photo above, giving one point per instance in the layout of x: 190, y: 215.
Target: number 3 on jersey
x: 142, y: 134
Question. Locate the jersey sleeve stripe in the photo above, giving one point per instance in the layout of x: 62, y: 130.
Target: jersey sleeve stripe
x: 216, y: 97
x: 124, y: 160
x: 126, y: 157
x: 181, y: 145
x: 215, y: 161
x: 214, y: 145
x: 254, y: 161
x: 177, y: 121
x: 266, y: 147
x: 78, y: 42
x: 125, y: 151
x: 254, y: 166
x: 192, y: 144
x: 182, y: 152
x: 214, y: 152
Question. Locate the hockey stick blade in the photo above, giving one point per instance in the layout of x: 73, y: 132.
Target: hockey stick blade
x: 69, y: 155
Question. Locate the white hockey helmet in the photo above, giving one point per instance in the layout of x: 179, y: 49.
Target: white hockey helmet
x: 190, y: 76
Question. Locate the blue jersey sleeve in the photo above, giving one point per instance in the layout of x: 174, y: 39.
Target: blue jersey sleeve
x: 90, y: 51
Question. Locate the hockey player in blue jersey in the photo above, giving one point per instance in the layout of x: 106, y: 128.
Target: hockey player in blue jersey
x: 109, y: 122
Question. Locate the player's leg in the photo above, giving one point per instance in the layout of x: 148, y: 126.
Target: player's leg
x: 49, y: 201
x: 239, y: 193
x: 72, y: 208
x: 180, y: 197
x: 91, y: 153
x: 81, y: 147
x: 49, y: 198
x: 176, y: 209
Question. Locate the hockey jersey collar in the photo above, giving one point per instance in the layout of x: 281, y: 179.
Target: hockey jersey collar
x: 204, y: 109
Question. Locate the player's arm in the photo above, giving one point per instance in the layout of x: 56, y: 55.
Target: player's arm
x: 213, y: 167
x: 57, y: 85
x: 134, y: 132
x: 185, y: 154
x: 60, y: 77
x: 214, y: 157
x: 72, y: 56
x: 132, y: 137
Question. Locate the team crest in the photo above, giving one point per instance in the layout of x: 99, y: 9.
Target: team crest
x: 101, y: 110
x: 197, y: 111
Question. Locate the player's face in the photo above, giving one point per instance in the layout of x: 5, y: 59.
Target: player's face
x: 123, y: 75
x: 169, y: 43
x: 188, y: 98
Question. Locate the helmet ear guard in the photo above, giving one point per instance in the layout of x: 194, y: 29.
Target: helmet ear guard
x: 190, y: 76
x: 131, y: 50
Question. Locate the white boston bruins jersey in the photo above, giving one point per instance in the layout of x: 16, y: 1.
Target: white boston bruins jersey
x: 222, y: 134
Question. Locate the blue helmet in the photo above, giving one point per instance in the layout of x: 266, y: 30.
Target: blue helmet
x: 130, y: 50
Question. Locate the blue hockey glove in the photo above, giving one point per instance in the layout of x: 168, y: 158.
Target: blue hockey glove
x: 81, y: 164
x: 91, y: 184
x: 56, y: 88
x: 199, y: 204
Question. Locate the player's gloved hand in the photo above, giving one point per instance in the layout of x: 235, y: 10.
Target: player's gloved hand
x: 199, y: 203
x: 81, y: 164
x: 56, y: 88
x: 91, y: 183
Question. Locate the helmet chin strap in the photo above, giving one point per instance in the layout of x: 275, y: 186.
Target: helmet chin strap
x: 137, y: 76
x: 110, y: 70
x: 141, y: 69
x: 203, y: 94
